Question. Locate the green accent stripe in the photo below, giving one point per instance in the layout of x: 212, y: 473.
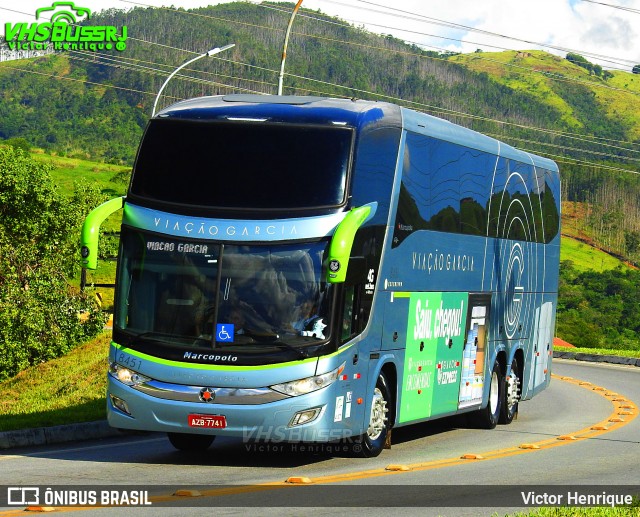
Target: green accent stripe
x: 218, y: 367
x: 401, y: 295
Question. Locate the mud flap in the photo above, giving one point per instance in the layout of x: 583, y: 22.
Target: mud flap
x: 387, y: 441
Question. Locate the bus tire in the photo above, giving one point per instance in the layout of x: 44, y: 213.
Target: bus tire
x: 190, y: 442
x: 512, y: 394
x: 371, y: 443
x: 488, y: 417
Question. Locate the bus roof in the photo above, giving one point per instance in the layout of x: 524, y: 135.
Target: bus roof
x: 352, y: 112
x: 289, y: 108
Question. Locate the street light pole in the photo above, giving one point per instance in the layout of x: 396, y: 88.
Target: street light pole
x: 211, y: 52
x: 284, y: 47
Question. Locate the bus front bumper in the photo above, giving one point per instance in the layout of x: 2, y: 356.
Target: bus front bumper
x: 320, y: 416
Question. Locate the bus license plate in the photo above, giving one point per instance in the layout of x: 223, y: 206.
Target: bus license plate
x: 208, y: 421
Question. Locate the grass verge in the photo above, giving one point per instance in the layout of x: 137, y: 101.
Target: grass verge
x: 599, y: 351
x: 66, y: 390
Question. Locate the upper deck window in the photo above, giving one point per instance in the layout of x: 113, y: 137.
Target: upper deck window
x: 245, y: 165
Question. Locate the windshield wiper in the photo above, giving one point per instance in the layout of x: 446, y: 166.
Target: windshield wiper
x: 284, y: 346
x: 274, y: 339
x: 156, y: 335
x: 166, y: 338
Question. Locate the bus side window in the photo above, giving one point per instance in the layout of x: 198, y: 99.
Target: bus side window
x: 348, y: 326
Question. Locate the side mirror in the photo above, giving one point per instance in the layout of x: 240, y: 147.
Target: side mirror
x: 91, y: 229
x: 338, y: 261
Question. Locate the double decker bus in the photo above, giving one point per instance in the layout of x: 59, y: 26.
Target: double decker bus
x: 306, y: 269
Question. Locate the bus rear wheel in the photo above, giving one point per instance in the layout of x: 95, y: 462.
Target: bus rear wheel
x: 488, y: 417
x: 512, y: 394
x: 190, y: 442
x: 371, y: 443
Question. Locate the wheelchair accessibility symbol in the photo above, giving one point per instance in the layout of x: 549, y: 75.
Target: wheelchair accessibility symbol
x: 224, y: 332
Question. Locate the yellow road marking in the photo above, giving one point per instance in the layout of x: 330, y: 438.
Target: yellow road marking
x: 611, y: 423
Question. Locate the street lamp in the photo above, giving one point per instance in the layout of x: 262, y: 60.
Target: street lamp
x: 211, y: 52
x: 284, y: 47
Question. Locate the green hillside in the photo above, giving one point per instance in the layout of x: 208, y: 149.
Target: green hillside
x: 95, y: 104
x: 557, y: 82
x: 585, y: 257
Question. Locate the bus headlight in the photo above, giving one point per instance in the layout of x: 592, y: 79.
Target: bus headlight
x: 304, y: 386
x: 126, y: 375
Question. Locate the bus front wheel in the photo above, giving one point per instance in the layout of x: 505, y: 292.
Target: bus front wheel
x: 190, y: 442
x: 371, y: 443
x: 488, y: 417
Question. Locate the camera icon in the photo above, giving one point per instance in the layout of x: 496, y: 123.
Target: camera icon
x: 23, y: 496
x: 64, y: 12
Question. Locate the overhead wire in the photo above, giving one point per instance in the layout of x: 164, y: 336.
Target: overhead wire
x: 558, y: 158
x: 431, y: 108
x: 455, y: 25
x: 573, y: 161
x: 149, y: 70
x: 353, y: 23
x: 417, y: 104
x: 449, y: 112
x: 134, y: 64
x: 374, y: 47
x: 442, y: 50
x: 4, y: 65
x: 394, y: 99
x: 415, y: 17
x: 606, y: 59
x: 577, y: 149
x: 271, y: 28
x: 621, y: 7
x: 418, y: 17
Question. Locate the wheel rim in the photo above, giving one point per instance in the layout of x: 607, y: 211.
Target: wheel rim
x: 513, y: 389
x: 493, y: 393
x: 378, y: 420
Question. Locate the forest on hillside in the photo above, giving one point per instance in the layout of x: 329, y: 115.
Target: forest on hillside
x: 609, y: 216
x: 112, y: 92
x: 599, y: 310
x: 96, y: 104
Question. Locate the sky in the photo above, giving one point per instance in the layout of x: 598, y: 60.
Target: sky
x: 604, y: 34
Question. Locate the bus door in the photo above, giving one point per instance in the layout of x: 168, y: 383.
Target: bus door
x: 474, y: 356
x: 541, y: 346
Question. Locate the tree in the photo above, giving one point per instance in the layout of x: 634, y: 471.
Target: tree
x: 596, y: 309
x: 19, y: 143
x: 39, y: 310
x: 579, y: 60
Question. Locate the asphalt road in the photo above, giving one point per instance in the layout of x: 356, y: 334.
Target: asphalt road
x: 423, y: 473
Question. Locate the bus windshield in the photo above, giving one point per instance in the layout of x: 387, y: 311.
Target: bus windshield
x: 204, y: 294
x: 212, y: 164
